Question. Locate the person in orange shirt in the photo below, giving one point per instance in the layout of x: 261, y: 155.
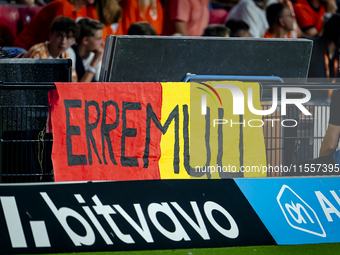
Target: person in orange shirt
x: 310, y: 15
x: 141, y: 28
x: 37, y: 30
x: 150, y: 11
x: 110, y: 14
x: 280, y: 19
x: 62, y: 35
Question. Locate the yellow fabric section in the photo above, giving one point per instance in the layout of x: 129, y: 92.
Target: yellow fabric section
x: 202, y: 136
x: 173, y: 94
x: 254, y: 146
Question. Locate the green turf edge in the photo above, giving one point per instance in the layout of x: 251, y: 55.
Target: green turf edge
x: 324, y: 249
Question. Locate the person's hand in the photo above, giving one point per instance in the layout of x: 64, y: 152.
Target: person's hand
x: 98, y: 55
x: 329, y: 5
x: 143, y: 6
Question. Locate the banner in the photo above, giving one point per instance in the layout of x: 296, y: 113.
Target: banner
x: 296, y: 210
x: 130, y: 215
x: 139, y: 131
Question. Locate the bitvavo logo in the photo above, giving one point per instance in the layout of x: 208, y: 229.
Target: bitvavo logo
x: 238, y: 103
x: 99, y: 210
x: 298, y: 213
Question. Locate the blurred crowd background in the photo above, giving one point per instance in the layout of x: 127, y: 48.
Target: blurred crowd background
x: 27, y: 26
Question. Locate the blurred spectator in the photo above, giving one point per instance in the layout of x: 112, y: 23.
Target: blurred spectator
x: 281, y: 20
x: 216, y: 30
x: 186, y: 17
x: 141, y: 28
x: 38, y: 29
x: 225, y: 4
x: 325, y: 55
x: 310, y: 15
x: 110, y: 14
x: 253, y: 13
x: 238, y: 28
x: 296, y: 32
x: 31, y: 3
x: 88, y: 51
x: 62, y: 35
x: 150, y: 11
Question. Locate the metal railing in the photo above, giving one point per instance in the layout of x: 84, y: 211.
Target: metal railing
x: 287, y: 145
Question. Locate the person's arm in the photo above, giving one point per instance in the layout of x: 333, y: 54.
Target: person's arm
x: 309, y: 33
x: 89, y: 73
x: 180, y: 27
x: 305, y: 21
x: 330, y: 141
x: 330, y: 6
x: 179, y: 15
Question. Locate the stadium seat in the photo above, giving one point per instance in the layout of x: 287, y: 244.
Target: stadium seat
x: 9, y: 18
x: 217, y: 16
x: 13, y: 19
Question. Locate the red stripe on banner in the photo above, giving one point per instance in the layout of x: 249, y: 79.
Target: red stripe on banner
x: 99, y: 131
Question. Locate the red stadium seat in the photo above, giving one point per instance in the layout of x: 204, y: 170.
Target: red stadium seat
x: 217, y: 16
x: 9, y: 17
x: 13, y: 19
x: 26, y: 14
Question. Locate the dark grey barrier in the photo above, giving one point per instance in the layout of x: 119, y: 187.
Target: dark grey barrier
x: 169, y: 59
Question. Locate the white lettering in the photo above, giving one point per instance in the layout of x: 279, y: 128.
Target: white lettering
x: 200, y: 227
x: 295, y: 101
x: 262, y: 123
x: 282, y: 122
x: 106, y: 211
x: 327, y: 210
x: 238, y: 97
x: 239, y: 123
x: 262, y: 112
x: 233, y: 232
x: 179, y: 232
x: 220, y: 122
x: 144, y: 231
x: 13, y: 222
x: 62, y: 213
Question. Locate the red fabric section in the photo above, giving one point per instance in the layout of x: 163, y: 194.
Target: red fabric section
x: 306, y: 16
x: 66, y: 162
x: 38, y: 29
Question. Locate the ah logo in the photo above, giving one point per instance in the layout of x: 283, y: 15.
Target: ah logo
x: 298, y: 213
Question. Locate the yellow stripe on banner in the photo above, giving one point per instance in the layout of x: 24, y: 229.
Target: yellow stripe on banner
x: 174, y: 94
x: 252, y: 154
x: 213, y: 151
x: 254, y: 147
